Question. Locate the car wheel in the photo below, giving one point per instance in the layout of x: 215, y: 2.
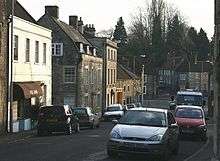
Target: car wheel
x: 77, y: 129
x: 93, y: 125
x: 69, y: 129
x: 165, y: 155
x: 112, y: 154
x: 204, y: 137
x: 176, y: 149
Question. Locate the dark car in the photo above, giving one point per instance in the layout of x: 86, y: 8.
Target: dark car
x: 146, y: 131
x: 56, y: 119
x: 191, y: 120
x: 86, y: 117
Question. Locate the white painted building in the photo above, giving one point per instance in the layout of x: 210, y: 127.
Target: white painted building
x: 31, y: 69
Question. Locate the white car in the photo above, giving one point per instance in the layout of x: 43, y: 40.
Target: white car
x: 114, y: 111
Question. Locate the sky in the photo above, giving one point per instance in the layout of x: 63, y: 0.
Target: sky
x: 105, y: 13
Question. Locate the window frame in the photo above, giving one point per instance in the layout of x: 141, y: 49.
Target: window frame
x: 27, y: 50
x: 36, y: 59
x: 64, y: 74
x: 54, y: 49
x: 44, y: 53
x: 15, y: 47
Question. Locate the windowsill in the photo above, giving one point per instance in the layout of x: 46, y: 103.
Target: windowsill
x: 36, y: 63
x: 27, y: 62
x: 15, y: 61
x: 68, y: 82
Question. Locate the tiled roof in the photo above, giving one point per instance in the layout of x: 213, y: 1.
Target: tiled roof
x: 123, y: 73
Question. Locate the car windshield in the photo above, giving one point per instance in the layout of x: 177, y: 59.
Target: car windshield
x: 52, y: 111
x: 79, y: 111
x: 144, y: 118
x: 130, y: 106
x: 114, y: 108
x: 189, y: 100
x: 189, y: 113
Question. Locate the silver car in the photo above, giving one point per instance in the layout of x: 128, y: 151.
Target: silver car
x: 145, y: 131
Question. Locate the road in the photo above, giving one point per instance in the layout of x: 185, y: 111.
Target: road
x: 88, y: 145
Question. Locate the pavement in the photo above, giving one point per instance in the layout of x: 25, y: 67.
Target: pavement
x: 205, y: 153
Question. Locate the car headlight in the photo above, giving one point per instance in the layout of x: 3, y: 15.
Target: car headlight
x: 155, y: 138
x: 115, y: 135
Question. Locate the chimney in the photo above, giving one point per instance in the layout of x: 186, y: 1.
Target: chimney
x: 52, y: 11
x: 89, y: 30
x: 73, y: 21
x: 80, y: 25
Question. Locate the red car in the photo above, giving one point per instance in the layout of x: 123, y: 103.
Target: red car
x: 191, y: 120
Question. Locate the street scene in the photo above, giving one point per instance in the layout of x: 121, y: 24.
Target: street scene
x: 124, y: 81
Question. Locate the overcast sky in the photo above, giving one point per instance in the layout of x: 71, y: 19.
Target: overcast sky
x: 105, y: 13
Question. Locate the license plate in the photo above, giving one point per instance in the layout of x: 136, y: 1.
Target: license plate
x: 190, y: 131
x: 51, y: 120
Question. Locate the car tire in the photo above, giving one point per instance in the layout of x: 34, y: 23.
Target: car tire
x: 112, y: 154
x: 204, y: 137
x: 92, y: 125
x: 69, y: 129
x: 165, y: 155
x: 176, y: 149
x: 77, y: 129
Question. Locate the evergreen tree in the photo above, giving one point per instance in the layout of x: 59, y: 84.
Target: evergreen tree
x: 192, y: 43
x: 203, y: 45
x: 120, y: 34
x: 174, y: 36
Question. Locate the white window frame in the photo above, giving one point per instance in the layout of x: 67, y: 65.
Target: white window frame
x: 54, y: 47
x: 64, y: 74
x: 144, y: 89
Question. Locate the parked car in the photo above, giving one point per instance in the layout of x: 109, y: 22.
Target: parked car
x: 132, y: 105
x: 147, y: 131
x: 86, y: 117
x: 114, y: 111
x: 191, y: 120
x: 56, y: 119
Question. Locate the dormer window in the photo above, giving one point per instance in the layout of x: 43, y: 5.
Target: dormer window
x: 57, y: 49
x: 87, y: 50
x: 81, y: 48
x: 94, y: 51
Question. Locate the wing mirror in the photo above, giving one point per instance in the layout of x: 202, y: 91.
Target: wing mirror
x: 115, y: 122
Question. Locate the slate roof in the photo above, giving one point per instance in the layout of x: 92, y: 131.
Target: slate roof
x: 74, y: 34
x: 21, y: 12
x: 123, y: 73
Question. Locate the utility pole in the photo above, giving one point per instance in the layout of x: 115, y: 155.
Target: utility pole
x: 142, y: 80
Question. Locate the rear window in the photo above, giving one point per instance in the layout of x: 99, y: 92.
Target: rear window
x: 189, y: 113
x: 80, y: 111
x: 54, y: 110
x: 114, y: 108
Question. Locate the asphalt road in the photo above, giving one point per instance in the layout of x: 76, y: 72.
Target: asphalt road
x: 88, y: 145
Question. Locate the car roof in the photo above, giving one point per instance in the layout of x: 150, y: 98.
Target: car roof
x: 189, y: 93
x: 149, y: 109
x: 189, y: 106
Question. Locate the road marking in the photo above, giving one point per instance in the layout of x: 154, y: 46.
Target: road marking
x: 96, y: 156
x: 201, y: 149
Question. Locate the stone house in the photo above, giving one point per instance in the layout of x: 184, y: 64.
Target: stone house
x: 31, y: 70
x: 3, y: 64
x: 107, y: 49
x: 76, y: 68
x: 128, y: 86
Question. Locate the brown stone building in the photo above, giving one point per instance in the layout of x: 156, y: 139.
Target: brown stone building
x: 128, y: 86
x: 3, y: 63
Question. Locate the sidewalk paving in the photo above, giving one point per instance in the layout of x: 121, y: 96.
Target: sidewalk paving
x: 11, y: 137
x: 206, y: 152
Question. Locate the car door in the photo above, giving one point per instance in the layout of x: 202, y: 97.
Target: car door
x: 173, y: 130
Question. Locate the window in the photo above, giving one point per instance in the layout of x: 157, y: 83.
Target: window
x: 36, y: 51
x: 86, y: 75
x: 108, y: 54
x: 15, y: 47
x: 108, y: 76
x: 44, y: 53
x: 124, y: 88
x: 144, y: 90
x: 99, y: 76
x: 145, y: 78
x: 69, y: 74
x: 128, y: 88
x: 111, y: 55
x: 27, y: 50
x: 57, y: 49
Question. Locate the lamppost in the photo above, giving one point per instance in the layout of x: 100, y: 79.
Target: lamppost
x: 142, y: 82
